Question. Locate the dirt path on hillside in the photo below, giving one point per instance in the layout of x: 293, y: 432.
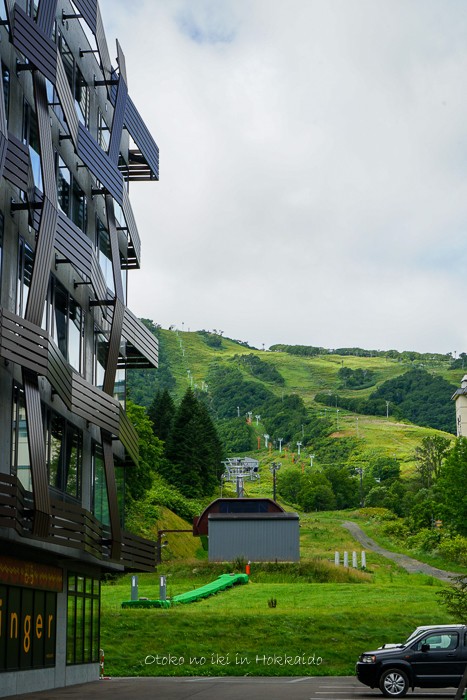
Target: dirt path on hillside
x: 411, y: 565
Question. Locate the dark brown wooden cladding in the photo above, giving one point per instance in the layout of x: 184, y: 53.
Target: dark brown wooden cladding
x: 3, y: 130
x: 89, y: 10
x: 117, y: 122
x: 134, y: 243
x: 66, y: 100
x: 100, y: 164
x: 34, y: 44
x: 137, y: 553
x: 16, y: 169
x: 45, y: 139
x: 142, y: 340
x: 37, y: 453
x: 91, y: 403
x: 31, y: 348
x: 74, y: 245
x: 114, y: 347
x: 46, y: 15
x: 102, y: 47
x: 109, y: 468
x: 42, y: 262
x: 71, y: 526
x: 129, y: 437
x: 142, y: 137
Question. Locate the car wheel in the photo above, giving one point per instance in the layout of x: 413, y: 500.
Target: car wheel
x: 394, y: 683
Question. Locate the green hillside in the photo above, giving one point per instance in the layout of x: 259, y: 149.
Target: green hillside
x: 190, y: 358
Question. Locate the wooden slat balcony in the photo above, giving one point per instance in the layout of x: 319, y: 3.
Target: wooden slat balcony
x: 142, y: 347
x: 31, y: 347
x: 134, y: 242
x: 100, y: 164
x: 129, y: 438
x: 73, y: 527
x: 138, y: 554
x: 91, y: 403
x: 38, y: 48
x: 16, y: 167
x: 141, y: 136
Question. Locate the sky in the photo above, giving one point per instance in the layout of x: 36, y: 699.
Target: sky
x: 313, y: 168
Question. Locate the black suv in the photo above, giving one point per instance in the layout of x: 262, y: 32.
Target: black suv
x: 432, y: 657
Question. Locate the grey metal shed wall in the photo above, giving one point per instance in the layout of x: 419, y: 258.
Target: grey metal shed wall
x: 255, y: 540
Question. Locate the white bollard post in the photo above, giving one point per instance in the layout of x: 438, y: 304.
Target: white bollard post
x: 346, y: 559
x: 354, y: 560
x: 336, y: 559
x: 363, y: 560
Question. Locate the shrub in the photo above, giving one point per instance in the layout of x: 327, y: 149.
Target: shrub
x: 454, y: 548
x: 426, y: 540
x: 396, y: 529
x: 377, y: 514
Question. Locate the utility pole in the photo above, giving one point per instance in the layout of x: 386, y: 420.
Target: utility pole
x: 360, y: 470
x: 275, y: 466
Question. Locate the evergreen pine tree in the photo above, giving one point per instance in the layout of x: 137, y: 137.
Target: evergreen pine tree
x: 162, y: 412
x: 193, y: 449
x: 182, y: 448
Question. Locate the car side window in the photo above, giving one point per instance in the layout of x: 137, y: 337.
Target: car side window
x: 439, y: 642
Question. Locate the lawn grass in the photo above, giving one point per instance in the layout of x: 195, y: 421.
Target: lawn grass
x: 335, y: 622
x: 314, y: 629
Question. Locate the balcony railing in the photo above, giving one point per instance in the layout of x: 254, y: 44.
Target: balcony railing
x: 72, y: 526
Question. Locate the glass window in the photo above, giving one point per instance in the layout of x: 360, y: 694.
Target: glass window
x: 60, y: 319
x: 100, y: 498
x: 75, y: 335
x: 64, y: 449
x: 105, y: 255
x: 102, y: 132
x: 101, y: 351
x: 78, y: 207
x: 81, y: 94
x: 31, y: 139
x: 77, y: 83
x: 20, y: 462
x: 64, y: 319
x: 25, y: 267
x: 6, y: 89
x: 63, y: 187
x: 83, y: 620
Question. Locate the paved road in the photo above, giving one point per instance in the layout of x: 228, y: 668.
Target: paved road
x: 411, y: 565
x: 226, y: 688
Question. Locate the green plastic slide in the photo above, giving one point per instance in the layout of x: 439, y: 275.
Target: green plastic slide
x: 220, y: 584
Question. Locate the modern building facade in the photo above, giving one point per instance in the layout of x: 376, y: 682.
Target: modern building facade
x: 460, y: 397
x: 71, y: 141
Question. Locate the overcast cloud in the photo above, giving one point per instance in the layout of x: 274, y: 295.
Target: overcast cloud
x: 313, y: 173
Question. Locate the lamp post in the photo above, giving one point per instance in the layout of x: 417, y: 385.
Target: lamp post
x: 266, y: 438
x: 274, y: 468
x: 280, y: 443
x: 299, y: 444
x: 311, y: 460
